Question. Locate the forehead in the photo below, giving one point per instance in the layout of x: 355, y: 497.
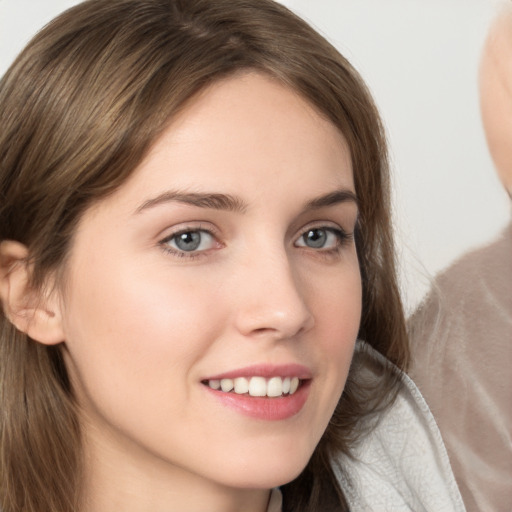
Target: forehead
x: 253, y: 123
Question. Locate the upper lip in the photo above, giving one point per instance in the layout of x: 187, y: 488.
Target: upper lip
x: 267, y: 371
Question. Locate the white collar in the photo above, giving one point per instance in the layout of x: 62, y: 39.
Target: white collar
x: 275, y: 503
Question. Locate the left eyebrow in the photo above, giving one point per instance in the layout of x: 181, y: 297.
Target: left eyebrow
x: 201, y: 200
x: 331, y: 199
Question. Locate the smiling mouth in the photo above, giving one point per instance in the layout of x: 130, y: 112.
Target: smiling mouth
x: 273, y: 387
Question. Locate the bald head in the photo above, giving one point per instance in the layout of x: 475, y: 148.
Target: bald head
x: 496, y: 94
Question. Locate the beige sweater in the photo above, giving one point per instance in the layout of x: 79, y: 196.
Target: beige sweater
x: 461, y: 339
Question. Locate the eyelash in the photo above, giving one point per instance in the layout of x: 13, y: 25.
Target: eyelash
x: 343, y: 238
x: 186, y: 254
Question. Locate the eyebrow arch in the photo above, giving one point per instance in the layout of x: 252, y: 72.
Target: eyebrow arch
x: 331, y: 199
x: 201, y: 200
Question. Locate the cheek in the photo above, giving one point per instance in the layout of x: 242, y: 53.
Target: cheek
x: 337, y: 307
x: 142, y: 326
x: 337, y: 341
x: 496, y: 107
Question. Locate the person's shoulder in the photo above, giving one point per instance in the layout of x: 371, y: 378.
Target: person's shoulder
x: 477, y: 286
x: 402, y: 465
x: 489, y: 265
x: 489, y: 262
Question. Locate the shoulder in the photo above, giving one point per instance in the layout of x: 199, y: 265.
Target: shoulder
x: 469, y: 302
x: 402, y: 465
x: 461, y: 356
x: 484, y: 274
x: 468, y: 310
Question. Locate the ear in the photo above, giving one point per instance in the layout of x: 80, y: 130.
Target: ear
x: 37, y: 313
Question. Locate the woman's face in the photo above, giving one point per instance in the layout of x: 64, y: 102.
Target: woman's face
x: 227, y: 259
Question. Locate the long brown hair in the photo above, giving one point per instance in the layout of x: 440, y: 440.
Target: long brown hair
x: 79, y: 109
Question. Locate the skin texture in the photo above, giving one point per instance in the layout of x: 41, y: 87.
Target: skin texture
x: 144, y: 324
x: 496, y: 95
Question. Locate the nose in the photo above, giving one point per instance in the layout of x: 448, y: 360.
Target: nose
x: 271, y: 299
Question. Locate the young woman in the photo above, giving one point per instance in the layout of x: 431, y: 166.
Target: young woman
x: 194, y: 232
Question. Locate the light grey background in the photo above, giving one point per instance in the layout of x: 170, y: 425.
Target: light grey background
x: 420, y: 59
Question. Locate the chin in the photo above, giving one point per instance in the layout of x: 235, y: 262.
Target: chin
x: 279, y: 469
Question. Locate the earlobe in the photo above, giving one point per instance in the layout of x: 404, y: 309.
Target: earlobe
x: 34, y: 312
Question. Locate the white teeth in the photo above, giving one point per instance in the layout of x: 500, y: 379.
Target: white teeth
x: 241, y: 385
x: 226, y: 385
x: 214, y: 384
x: 257, y: 386
x: 275, y: 386
x: 294, y: 384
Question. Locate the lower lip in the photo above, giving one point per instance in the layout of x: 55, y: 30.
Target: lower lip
x: 264, y: 408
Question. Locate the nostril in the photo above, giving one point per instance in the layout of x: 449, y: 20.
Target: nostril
x: 263, y: 330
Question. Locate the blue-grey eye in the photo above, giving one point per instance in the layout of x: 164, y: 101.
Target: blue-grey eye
x: 319, y: 238
x: 315, y: 238
x: 190, y: 241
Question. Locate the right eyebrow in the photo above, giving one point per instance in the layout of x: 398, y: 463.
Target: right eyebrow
x: 214, y: 201
x: 332, y: 198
